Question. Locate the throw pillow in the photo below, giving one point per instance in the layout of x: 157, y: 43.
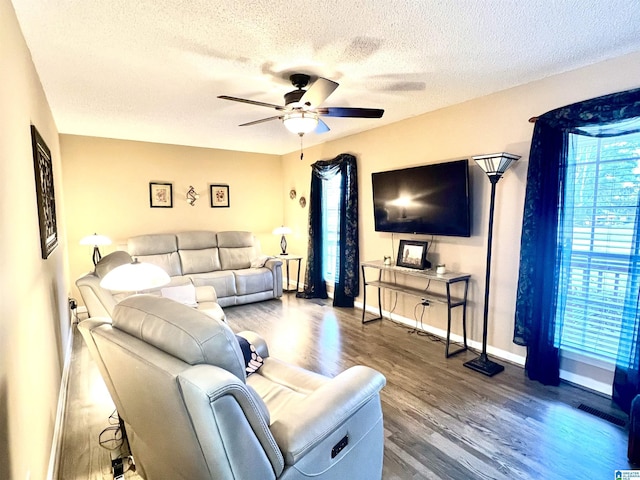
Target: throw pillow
x: 185, y: 294
x: 252, y: 360
x: 259, y: 261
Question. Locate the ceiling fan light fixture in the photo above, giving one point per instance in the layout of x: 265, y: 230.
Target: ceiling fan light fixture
x: 300, y: 122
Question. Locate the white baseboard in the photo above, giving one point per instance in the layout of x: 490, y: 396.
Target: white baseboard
x: 496, y: 352
x: 56, y: 443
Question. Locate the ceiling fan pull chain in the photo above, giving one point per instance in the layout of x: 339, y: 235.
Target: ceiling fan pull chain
x: 301, y: 153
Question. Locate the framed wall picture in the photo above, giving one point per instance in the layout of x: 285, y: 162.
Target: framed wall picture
x: 44, y: 191
x: 160, y: 195
x: 412, y: 254
x: 219, y: 196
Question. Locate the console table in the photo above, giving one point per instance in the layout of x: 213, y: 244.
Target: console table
x: 448, y: 279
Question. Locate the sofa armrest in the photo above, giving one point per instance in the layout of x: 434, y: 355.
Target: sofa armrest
x: 99, y: 301
x: 206, y: 293
x: 275, y: 265
x: 308, y: 423
x: 257, y: 341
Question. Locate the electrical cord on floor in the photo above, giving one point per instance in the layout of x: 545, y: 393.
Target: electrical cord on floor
x: 112, y: 439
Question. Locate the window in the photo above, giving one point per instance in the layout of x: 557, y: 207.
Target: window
x: 331, y: 195
x: 597, y: 233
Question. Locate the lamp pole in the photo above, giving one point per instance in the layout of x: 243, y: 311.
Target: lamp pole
x: 494, y: 171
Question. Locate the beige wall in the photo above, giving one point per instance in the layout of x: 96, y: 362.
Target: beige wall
x: 34, y: 323
x: 490, y: 124
x: 106, y: 186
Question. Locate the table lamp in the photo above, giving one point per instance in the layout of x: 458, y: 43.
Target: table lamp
x: 96, y: 240
x: 283, y: 241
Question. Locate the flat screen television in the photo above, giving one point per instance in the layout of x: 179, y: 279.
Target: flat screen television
x: 431, y: 199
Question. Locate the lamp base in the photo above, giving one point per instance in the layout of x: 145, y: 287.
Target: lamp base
x: 485, y: 366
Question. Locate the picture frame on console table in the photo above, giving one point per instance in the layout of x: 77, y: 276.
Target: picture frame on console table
x: 160, y: 195
x: 412, y: 254
x: 219, y: 196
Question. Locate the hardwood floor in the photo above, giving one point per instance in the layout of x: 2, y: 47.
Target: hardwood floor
x: 442, y: 420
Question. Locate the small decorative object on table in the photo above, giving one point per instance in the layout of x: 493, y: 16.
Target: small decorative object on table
x: 441, y: 269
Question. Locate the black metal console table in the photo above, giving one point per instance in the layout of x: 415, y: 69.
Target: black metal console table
x: 448, y: 278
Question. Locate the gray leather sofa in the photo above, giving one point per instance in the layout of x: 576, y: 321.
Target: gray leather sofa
x: 100, y: 302
x: 230, y: 262
x: 179, y: 383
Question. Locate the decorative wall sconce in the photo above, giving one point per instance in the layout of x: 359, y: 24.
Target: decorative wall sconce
x: 192, y: 196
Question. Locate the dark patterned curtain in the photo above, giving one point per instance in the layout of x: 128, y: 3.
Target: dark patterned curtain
x: 348, y: 285
x: 540, y: 253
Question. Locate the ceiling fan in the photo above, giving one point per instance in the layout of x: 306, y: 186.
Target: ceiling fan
x: 302, y: 111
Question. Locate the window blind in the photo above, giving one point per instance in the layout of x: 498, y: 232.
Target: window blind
x: 597, y: 231
x: 331, y: 196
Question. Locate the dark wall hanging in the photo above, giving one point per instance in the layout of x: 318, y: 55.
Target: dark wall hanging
x: 45, y: 194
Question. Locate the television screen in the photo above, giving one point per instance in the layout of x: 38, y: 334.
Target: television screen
x: 430, y: 199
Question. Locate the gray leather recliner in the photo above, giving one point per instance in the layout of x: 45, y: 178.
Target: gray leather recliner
x: 179, y: 383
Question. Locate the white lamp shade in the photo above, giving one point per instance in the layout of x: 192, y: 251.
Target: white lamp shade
x: 134, y: 277
x: 96, y: 240
x: 495, y: 164
x: 282, y: 231
x: 300, y: 122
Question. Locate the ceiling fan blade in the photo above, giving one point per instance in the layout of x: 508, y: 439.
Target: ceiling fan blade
x: 318, y: 92
x: 322, y: 127
x: 350, y: 112
x: 255, y: 122
x: 251, y: 102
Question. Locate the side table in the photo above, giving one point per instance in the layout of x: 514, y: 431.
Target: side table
x: 287, y: 259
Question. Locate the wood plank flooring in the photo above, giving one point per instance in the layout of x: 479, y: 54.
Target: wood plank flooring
x: 442, y: 420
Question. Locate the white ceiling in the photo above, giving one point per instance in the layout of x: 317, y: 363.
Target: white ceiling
x: 151, y: 70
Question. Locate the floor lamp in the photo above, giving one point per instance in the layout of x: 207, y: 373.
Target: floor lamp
x: 494, y: 165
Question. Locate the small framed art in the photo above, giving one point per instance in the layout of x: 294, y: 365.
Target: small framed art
x: 160, y: 195
x: 412, y: 254
x: 219, y: 196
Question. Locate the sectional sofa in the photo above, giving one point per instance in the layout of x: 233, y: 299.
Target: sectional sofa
x: 231, y: 262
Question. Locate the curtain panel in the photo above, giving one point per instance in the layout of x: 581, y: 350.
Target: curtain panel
x: 540, y: 251
x: 348, y: 284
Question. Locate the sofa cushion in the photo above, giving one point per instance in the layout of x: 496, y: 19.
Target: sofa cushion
x: 198, y: 240
x: 199, y: 261
x: 169, y: 262
x: 235, y: 239
x: 185, y: 333
x: 252, y: 359
x: 152, y: 244
x: 223, y: 281
x: 253, y: 280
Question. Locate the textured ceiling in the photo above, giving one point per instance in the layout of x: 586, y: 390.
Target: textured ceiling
x: 151, y: 69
